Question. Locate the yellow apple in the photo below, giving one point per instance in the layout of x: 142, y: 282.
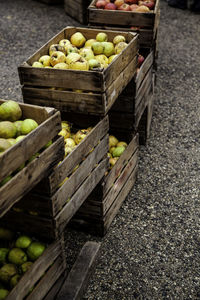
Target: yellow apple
x: 61, y: 65
x: 45, y: 60
x: 56, y: 47
x: 118, y: 38
x: 102, y: 59
x: 77, y: 39
x: 86, y: 53
x: 89, y: 42
x: 120, y: 46
x: 37, y: 64
x: 57, y: 57
x: 112, y: 57
x: 102, y: 37
x: 97, y: 48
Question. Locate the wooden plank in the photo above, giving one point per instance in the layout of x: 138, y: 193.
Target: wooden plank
x: 78, y: 278
x: 64, y: 216
x: 149, y: 115
x: 30, y: 175
x: 77, y: 10
x: 75, y: 180
x: 147, y: 64
x: 78, y: 154
x: 45, y: 284
x: 35, y: 272
x: 55, y: 288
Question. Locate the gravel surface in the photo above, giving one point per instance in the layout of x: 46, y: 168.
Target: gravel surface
x: 152, y: 249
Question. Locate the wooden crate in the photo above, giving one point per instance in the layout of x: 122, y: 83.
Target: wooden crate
x: 43, y: 274
x: 105, y: 85
x: 146, y: 24
x: 77, y: 9
x: 98, y: 211
x: 55, y: 205
x: 128, y: 109
x: 23, y: 181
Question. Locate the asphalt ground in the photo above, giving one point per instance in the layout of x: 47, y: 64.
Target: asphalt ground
x: 152, y: 249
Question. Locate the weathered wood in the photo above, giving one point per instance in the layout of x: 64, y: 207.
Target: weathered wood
x: 51, y: 295
x: 124, y: 18
x: 77, y: 280
x: 30, y: 175
x: 64, y: 216
x: 51, y: 2
x: 77, y: 9
x: 19, y: 153
x: 47, y: 281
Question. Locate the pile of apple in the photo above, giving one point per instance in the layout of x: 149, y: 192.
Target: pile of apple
x: 18, y: 252
x: 141, y: 6
x: 81, y: 54
x: 116, y: 148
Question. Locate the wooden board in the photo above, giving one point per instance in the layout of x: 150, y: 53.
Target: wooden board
x: 78, y: 278
x: 77, y: 9
x: 51, y: 2
x: 124, y: 18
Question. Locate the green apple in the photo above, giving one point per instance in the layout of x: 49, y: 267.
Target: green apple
x: 56, y: 47
x: 102, y: 37
x: 111, y: 58
x: 61, y: 65
x: 72, y: 57
x: 57, y: 57
x: 64, y: 43
x: 102, y: 59
x: 72, y: 49
x: 37, y: 64
x: 77, y: 39
x: 89, y: 42
x: 109, y: 48
x: 86, y: 53
x: 120, y: 47
x: 118, y: 38
x: 97, y: 48
x: 45, y: 60
x: 80, y: 64
x: 94, y: 64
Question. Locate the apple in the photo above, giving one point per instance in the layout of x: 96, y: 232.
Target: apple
x: 94, y: 64
x: 124, y: 7
x: 70, y: 143
x: 140, y: 60
x: 86, y: 53
x: 143, y: 9
x: 89, y: 43
x: 45, y: 60
x: 61, y: 65
x: 37, y: 64
x: 64, y: 42
x: 108, y: 49
x: 56, y: 47
x: 80, y: 64
x: 57, y: 57
x: 72, y: 57
x: 134, y: 7
x: 110, y: 6
x: 97, y: 48
x: 77, y: 39
x: 119, y: 47
x: 103, y: 60
x: 134, y: 27
x: 118, y: 38
x: 71, y: 49
x: 102, y: 37
x: 101, y: 4
x: 149, y: 3
x: 111, y: 58
x: 118, y: 3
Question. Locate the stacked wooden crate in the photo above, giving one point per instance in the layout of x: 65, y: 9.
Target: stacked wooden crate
x: 77, y: 9
x: 23, y: 171
x: 99, y: 91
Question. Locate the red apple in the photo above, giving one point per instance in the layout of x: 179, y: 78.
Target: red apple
x: 149, y: 3
x: 101, y: 4
x: 134, y: 7
x: 110, y: 6
x: 118, y: 3
x: 124, y: 7
x: 140, y: 60
x: 135, y: 28
x: 131, y: 1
